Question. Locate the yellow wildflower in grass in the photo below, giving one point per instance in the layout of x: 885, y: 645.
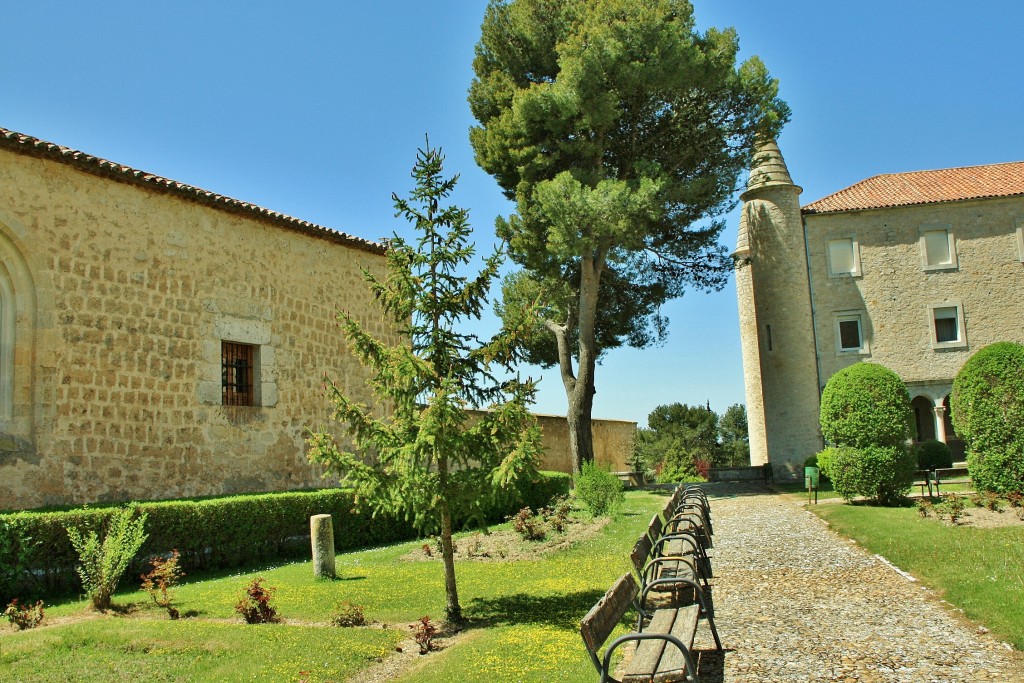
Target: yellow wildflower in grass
x: 528, y: 650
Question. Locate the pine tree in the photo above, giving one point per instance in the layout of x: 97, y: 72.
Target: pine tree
x: 425, y: 456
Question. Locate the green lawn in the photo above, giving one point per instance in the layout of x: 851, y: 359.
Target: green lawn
x: 978, y: 570
x: 523, y: 620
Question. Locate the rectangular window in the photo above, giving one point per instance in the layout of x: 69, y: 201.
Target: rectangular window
x: 946, y: 328
x: 937, y: 249
x: 238, y: 362
x: 849, y: 334
x: 843, y: 258
x: 849, y: 330
x: 768, y: 334
x: 947, y: 323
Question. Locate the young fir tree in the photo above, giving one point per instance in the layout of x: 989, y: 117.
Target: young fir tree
x: 425, y: 457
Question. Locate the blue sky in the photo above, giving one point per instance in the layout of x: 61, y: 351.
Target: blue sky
x: 317, y: 110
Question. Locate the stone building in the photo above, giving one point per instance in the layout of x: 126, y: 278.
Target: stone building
x: 914, y: 271
x: 158, y: 340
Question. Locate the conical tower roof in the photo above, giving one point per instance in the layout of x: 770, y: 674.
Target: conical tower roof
x: 769, y: 169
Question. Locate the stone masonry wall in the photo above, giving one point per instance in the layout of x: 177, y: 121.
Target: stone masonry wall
x: 114, y: 300
x: 895, y: 291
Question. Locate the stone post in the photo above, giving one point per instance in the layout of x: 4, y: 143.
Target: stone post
x: 321, y: 535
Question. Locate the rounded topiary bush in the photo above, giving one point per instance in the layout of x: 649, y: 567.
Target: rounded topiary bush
x: 882, y: 473
x: 865, y: 404
x: 933, y: 454
x: 987, y: 406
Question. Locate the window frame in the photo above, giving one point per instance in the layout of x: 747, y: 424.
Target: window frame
x: 961, y: 341
x: 249, y: 355
x: 954, y: 261
x: 854, y: 245
x: 859, y: 316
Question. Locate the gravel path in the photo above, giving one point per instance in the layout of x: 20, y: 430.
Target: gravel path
x: 795, y: 602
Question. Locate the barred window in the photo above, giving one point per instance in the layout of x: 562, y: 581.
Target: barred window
x: 237, y: 364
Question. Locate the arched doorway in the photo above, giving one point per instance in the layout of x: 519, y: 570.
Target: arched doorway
x: 924, y: 417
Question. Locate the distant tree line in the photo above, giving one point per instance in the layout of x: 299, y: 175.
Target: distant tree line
x: 682, y: 442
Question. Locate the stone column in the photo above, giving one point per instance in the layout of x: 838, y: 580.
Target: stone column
x: 321, y: 535
x: 940, y: 423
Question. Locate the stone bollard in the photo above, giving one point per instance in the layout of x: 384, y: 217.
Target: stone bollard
x: 321, y: 535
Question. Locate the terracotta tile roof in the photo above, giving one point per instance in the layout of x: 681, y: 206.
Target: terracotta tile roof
x: 26, y: 144
x: 925, y: 187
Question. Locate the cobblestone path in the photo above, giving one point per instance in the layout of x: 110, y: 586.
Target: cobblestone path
x: 796, y: 602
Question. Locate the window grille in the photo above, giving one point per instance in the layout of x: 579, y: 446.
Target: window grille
x: 237, y: 361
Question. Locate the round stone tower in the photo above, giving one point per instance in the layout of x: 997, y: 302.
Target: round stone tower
x: 780, y: 366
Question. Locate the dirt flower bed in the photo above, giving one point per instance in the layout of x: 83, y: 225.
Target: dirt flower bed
x: 506, y: 545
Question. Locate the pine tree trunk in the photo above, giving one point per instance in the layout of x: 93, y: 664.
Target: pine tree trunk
x: 581, y: 437
x: 453, y: 611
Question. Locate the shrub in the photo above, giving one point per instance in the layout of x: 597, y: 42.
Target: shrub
x: 528, y: 525
x: 349, y: 615
x: 16, y: 550
x: 557, y: 514
x: 24, y: 616
x: 160, y: 581
x: 952, y: 506
x: 882, y: 473
x: 101, y: 564
x: 987, y: 406
x: 933, y: 454
x: 865, y: 404
x: 423, y: 633
x: 600, y: 491
x: 254, y: 605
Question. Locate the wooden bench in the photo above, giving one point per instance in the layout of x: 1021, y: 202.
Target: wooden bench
x: 923, y: 478
x: 689, y: 512
x: 950, y: 475
x: 680, y: 541
x: 651, y: 567
x: 663, y: 645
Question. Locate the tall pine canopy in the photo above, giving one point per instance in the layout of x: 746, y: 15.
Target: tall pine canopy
x: 620, y: 131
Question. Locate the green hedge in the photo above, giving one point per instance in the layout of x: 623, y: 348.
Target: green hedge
x: 36, y: 557
x: 988, y: 412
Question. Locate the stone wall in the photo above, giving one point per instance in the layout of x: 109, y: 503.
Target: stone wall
x: 613, y: 443
x: 896, y: 292
x: 114, y: 300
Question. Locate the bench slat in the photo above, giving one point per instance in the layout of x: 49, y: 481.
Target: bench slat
x: 603, y: 617
x: 657, y: 660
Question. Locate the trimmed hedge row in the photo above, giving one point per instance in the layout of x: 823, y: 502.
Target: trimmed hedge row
x: 36, y: 555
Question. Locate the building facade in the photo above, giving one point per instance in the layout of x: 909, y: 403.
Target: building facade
x: 914, y: 271
x: 158, y: 340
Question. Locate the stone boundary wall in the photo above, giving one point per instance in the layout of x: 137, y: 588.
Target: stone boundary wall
x: 613, y: 443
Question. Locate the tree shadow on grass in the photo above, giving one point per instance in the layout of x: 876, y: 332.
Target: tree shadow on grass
x: 564, y: 610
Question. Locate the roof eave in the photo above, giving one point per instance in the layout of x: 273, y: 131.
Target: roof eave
x: 28, y: 145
